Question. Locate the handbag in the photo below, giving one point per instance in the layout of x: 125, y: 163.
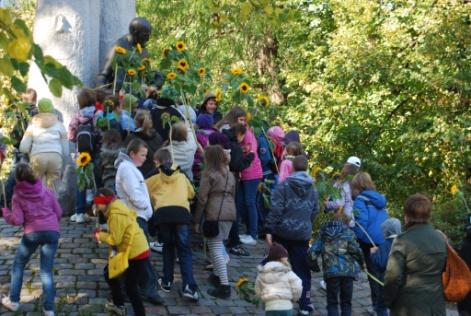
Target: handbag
x: 211, y: 228
x: 456, y: 278
x: 119, y: 263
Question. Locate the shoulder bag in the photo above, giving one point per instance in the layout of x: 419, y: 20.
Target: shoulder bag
x: 211, y: 228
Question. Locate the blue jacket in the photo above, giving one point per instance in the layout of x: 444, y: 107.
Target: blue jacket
x: 294, y: 206
x: 370, y: 212
x: 380, y: 258
x: 265, y: 154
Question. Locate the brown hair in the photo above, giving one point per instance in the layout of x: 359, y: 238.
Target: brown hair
x: 294, y: 149
x: 23, y: 172
x: 231, y: 117
x: 135, y: 145
x: 30, y: 96
x: 179, y: 132
x: 164, y: 156
x: 417, y: 209
x: 215, y: 159
x: 361, y: 182
x: 300, y: 163
x: 239, y: 129
x: 144, y: 121
x: 101, y: 95
x: 86, y: 97
x: 348, y: 170
x: 112, y: 139
x: 105, y: 192
x: 113, y: 99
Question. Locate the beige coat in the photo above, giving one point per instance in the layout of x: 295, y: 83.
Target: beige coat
x: 277, y: 286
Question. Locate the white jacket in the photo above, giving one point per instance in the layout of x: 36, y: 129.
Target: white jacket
x: 131, y: 187
x: 277, y: 286
x: 184, y: 153
x: 45, y: 134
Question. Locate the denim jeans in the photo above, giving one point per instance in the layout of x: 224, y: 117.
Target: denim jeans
x: 342, y: 286
x: 80, y: 201
x: 246, y: 200
x: 279, y: 313
x: 147, y: 281
x: 48, y: 242
x: 177, y: 236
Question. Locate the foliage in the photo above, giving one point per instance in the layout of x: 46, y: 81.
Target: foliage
x: 85, y: 172
x: 246, y: 290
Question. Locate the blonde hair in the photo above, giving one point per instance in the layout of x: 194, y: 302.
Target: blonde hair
x: 179, y: 132
x: 361, y: 182
x: 144, y: 121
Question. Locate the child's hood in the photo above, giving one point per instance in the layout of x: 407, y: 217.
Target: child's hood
x: 332, y: 230
x: 122, y: 157
x: 272, y: 271
x: 86, y: 113
x: 375, y: 198
x: 169, y: 174
x: 44, y: 120
x: 300, y: 183
x: 391, y: 227
x: 31, y: 192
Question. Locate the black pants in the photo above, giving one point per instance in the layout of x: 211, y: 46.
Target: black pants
x: 136, y: 270
x: 344, y: 287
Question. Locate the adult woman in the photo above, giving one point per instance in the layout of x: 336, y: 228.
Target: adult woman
x: 412, y: 284
x: 145, y: 132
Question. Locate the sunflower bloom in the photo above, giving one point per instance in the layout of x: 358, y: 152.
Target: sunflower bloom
x: 183, y: 65
x: 139, y: 48
x: 248, y: 117
x: 241, y: 281
x: 244, y: 87
x: 120, y: 50
x: 201, y: 72
x: 145, y: 61
x: 141, y: 68
x: 454, y: 189
x: 83, y: 159
x: 131, y: 72
x: 236, y: 71
x: 171, y: 75
x: 218, y: 95
x: 315, y: 171
x: 263, y: 99
x: 180, y: 46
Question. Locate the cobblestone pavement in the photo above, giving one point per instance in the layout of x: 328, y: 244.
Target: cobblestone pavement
x: 82, y: 290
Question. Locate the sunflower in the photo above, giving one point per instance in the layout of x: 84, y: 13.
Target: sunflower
x: 244, y: 87
x: 315, y: 171
x: 84, y: 159
x: 241, y: 281
x: 131, y: 72
x: 236, y: 71
x: 218, y: 95
x: 145, y: 61
x: 263, y: 100
x: 248, y: 117
x: 201, y: 72
x: 454, y: 189
x: 141, y: 68
x: 183, y: 65
x: 171, y: 75
x: 180, y: 46
x: 120, y: 50
x: 139, y: 48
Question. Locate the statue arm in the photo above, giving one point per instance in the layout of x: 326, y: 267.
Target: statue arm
x: 106, y: 74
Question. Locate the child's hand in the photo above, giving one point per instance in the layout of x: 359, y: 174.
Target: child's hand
x: 96, y: 235
x: 269, y: 239
x: 5, y: 211
x: 374, y: 250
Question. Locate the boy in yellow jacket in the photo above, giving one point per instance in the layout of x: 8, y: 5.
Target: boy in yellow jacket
x: 126, y: 239
x: 170, y: 192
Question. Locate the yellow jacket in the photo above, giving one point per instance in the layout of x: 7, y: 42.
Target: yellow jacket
x: 170, y: 190
x: 122, y: 225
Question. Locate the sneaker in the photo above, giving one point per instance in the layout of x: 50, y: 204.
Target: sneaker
x: 323, y: 285
x: 249, y: 241
x: 81, y: 218
x: 244, y: 236
x: 166, y: 287
x: 305, y: 312
x: 191, y: 294
x: 239, y: 251
x: 48, y: 313
x: 156, y: 246
x: 222, y: 292
x: 117, y: 310
x: 8, y: 304
x: 73, y: 218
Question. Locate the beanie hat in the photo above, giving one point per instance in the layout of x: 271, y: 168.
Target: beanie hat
x: 277, y: 252
x: 353, y: 160
x: 45, y: 106
x: 221, y: 139
x: 276, y: 133
x: 391, y: 227
x: 292, y: 136
x: 205, y: 121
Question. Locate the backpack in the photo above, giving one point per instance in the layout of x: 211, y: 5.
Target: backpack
x: 86, y: 136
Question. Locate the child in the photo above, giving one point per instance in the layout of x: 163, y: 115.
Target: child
x: 342, y: 258
x: 183, y: 147
x: 108, y: 155
x: 205, y: 129
x: 37, y: 210
x: 210, y: 106
x: 170, y: 192
x: 292, y: 150
x: 118, y: 117
x: 294, y: 208
x: 379, y: 258
x: 277, y: 136
x: 276, y: 284
x: 216, y: 200
x: 126, y: 238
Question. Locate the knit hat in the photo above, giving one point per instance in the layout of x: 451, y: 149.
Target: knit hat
x: 390, y: 227
x: 353, y: 160
x: 221, y: 139
x: 276, y: 133
x: 45, y: 106
x: 292, y: 136
x: 205, y: 121
x: 277, y: 252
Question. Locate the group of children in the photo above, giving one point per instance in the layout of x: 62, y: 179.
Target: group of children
x: 147, y: 172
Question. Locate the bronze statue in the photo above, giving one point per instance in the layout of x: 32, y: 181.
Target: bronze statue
x: 139, y: 32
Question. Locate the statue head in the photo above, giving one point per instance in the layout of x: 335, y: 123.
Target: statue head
x: 140, y: 30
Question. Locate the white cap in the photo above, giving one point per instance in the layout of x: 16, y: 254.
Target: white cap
x: 353, y: 160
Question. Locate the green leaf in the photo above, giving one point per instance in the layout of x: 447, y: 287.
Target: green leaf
x: 23, y: 68
x: 6, y: 67
x: 55, y: 86
x: 18, y: 84
x: 38, y: 54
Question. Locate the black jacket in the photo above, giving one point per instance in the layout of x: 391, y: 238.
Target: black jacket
x: 238, y: 161
x: 164, y: 106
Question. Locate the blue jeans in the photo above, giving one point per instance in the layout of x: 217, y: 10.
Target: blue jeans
x: 246, y: 200
x: 342, y: 286
x: 48, y: 241
x: 177, y: 236
x: 147, y: 281
x: 279, y: 313
x: 80, y: 202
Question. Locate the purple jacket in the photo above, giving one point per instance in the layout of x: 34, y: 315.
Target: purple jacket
x: 35, y: 207
x: 202, y: 135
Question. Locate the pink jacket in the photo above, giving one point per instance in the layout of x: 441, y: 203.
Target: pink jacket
x: 249, y: 144
x: 34, y: 207
x: 83, y: 116
x: 286, y: 169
